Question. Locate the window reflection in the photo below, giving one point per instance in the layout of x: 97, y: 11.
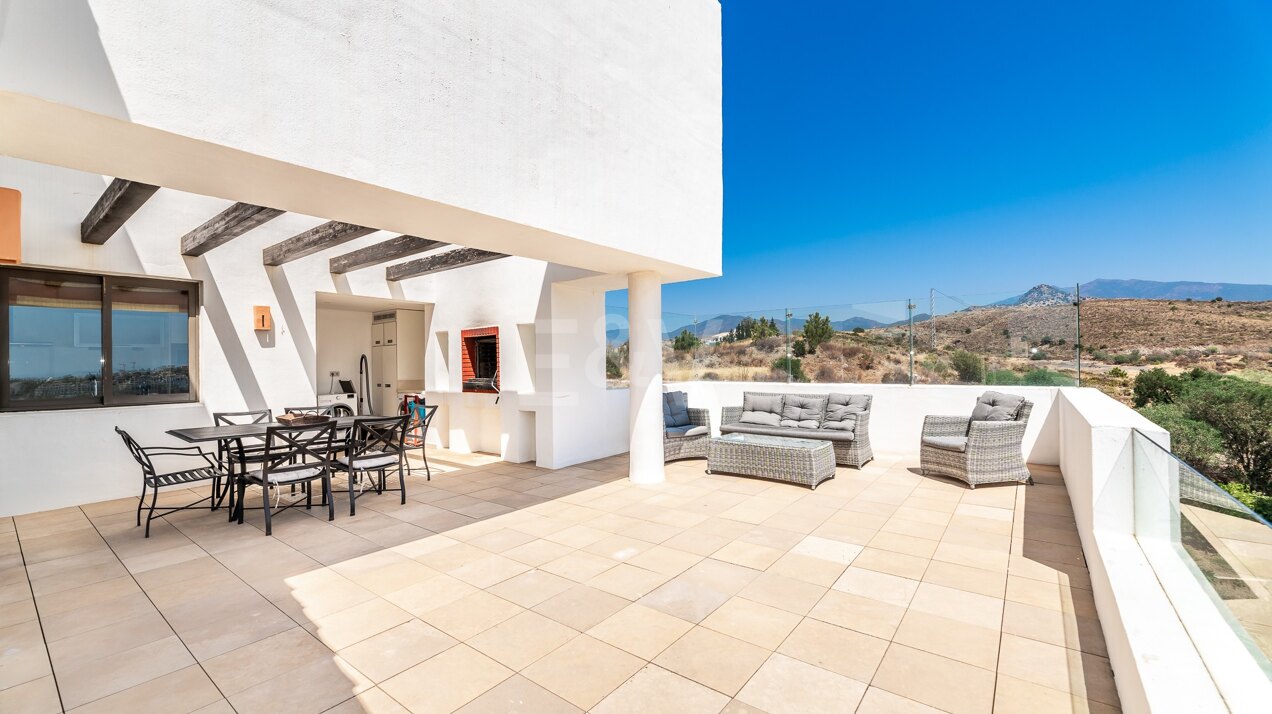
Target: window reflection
x: 150, y: 341
x: 55, y: 339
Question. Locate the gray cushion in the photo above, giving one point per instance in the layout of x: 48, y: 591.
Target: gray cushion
x: 949, y: 443
x: 803, y: 411
x: 684, y: 431
x: 758, y: 408
x: 371, y: 460
x: 842, y: 411
x: 815, y: 434
x: 996, y: 406
x: 676, y: 409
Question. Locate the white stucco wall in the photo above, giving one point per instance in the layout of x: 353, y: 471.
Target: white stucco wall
x: 595, y: 119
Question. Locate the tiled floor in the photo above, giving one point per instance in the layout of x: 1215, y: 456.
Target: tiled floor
x: 505, y: 588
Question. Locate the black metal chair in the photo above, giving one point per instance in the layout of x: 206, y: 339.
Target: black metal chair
x: 326, y: 411
x: 376, y: 445
x: 251, y: 452
x: 294, y: 455
x: 417, y: 433
x: 153, y: 480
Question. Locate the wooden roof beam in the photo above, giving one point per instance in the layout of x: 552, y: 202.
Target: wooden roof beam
x: 318, y: 238
x: 451, y: 259
x: 225, y: 227
x: 121, y: 199
x: 383, y: 252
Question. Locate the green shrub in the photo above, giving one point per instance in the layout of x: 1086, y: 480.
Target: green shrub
x: 1241, y: 412
x: 1003, y: 376
x: 1046, y: 378
x: 817, y: 330
x: 1196, y: 442
x: 1117, y: 373
x: 1155, y: 386
x: 970, y: 367
x: 793, y: 366
x: 685, y: 341
x: 1260, y: 503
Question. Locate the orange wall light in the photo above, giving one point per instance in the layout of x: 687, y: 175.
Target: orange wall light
x: 10, y: 225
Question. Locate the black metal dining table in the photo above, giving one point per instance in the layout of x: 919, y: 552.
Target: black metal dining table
x: 225, y: 433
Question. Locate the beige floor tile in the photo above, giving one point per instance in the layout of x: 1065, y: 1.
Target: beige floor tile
x: 640, y: 630
x: 779, y: 591
x: 827, y: 549
x: 936, y: 681
x: 23, y: 657
x: 748, y: 555
x: 881, y: 701
x: 878, y: 586
x: 518, y: 695
x: 438, y: 591
x: 863, y: 614
x: 721, y: 662
x: 357, y: 623
x: 388, y: 653
x: 531, y: 588
x: 1084, y: 675
x: 446, y: 682
x: 91, y: 680
x: 949, y: 638
x: 811, y: 570
x: 325, y: 683
x: 265, y: 659
x: 36, y: 696
x: 581, y: 607
x: 471, y: 614
x: 905, y: 544
x: 962, y: 577
x: 487, y: 571
x: 971, y: 608
x: 886, y: 561
x: 584, y: 671
x: 537, y: 552
x: 752, y: 622
x: 665, y: 560
x: 847, y: 652
x: 784, y: 685
x: 520, y: 640
x: 628, y: 581
x: 368, y: 701
x: 579, y: 566
x: 1015, y: 695
x: 654, y: 689
x: 186, y: 690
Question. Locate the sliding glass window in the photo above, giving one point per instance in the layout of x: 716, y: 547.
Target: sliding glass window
x: 60, y: 330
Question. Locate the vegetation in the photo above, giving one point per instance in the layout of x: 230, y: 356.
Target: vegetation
x: 752, y: 328
x: 685, y: 341
x: 970, y: 367
x: 817, y: 330
x: 792, y: 366
x: 1221, y: 425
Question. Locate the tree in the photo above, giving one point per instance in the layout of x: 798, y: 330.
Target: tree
x: 685, y: 341
x: 817, y: 329
x: 799, y: 347
x: 1155, y: 386
x: 792, y: 366
x: 970, y: 367
x: 1240, y: 411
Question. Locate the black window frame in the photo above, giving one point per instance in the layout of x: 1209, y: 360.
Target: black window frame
x: 108, y: 283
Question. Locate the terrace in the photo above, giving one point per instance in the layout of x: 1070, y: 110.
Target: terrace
x: 569, y: 590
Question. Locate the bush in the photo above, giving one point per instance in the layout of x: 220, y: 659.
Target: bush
x: 792, y: 366
x: 1117, y: 373
x: 615, y: 362
x: 685, y: 341
x: 1046, y: 378
x: 1132, y: 357
x: 970, y: 367
x: 897, y: 375
x: 858, y: 331
x: 799, y: 348
x: 1260, y: 503
x: 1240, y: 411
x: 817, y: 329
x: 1002, y: 376
x: 1155, y: 386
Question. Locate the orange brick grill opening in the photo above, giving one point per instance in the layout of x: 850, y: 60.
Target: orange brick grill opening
x: 481, y: 359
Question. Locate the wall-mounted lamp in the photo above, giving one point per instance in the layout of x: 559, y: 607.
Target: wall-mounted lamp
x: 261, y: 321
x: 10, y: 225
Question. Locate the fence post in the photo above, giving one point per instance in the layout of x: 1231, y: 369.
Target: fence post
x: 909, y: 308
x: 1077, y: 327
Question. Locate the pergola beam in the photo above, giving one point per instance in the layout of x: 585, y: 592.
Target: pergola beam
x: 121, y: 199
x: 383, y: 252
x: 225, y: 227
x: 451, y: 259
x: 318, y: 238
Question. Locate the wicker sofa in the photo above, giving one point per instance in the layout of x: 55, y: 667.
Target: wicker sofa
x: 841, y: 419
x: 686, y: 431
x: 982, y: 448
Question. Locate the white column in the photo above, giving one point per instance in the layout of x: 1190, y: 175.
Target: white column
x: 644, y: 308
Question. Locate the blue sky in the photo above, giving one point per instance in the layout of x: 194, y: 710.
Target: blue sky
x: 873, y: 150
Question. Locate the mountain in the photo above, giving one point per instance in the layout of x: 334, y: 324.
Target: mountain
x: 725, y: 323
x: 1039, y: 296
x: 1179, y: 290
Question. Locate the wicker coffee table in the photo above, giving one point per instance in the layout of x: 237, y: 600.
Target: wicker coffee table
x: 802, y: 461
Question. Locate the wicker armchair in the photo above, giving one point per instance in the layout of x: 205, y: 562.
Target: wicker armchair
x: 689, y: 447
x: 976, y: 451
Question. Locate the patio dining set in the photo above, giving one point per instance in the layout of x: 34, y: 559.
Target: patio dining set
x: 800, y: 438
x: 304, y: 449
